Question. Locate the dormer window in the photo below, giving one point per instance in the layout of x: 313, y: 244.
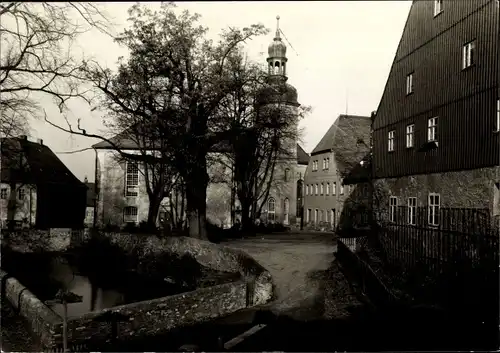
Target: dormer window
x: 409, y: 83
x: 432, y: 129
x: 468, y: 54
x: 438, y: 7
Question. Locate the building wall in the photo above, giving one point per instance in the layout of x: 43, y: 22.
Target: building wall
x: 464, y: 100
x: 24, y: 210
x: 331, y: 204
x: 111, y: 191
x: 463, y: 189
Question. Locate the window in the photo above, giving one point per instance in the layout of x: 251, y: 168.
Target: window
x: 393, y: 204
x: 307, y: 190
x: 412, y: 210
x: 3, y: 193
x: 287, y: 174
x: 410, y: 130
x: 468, y: 51
x: 434, y: 201
x: 324, y: 163
x: 316, y: 189
x: 328, y: 163
x: 286, y: 209
x: 21, y: 193
x: 332, y: 217
x: 315, y: 215
x: 392, y: 135
x: 315, y: 166
x: 438, y: 7
x: 497, y: 128
x: 432, y: 129
x: 130, y: 214
x: 409, y: 83
x: 308, y: 219
x: 271, y: 210
x: 132, y: 179
x: 334, y: 188
x: 341, y: 189
x: 327, y: 189
x: 321, y: 189
x: 321, y: 219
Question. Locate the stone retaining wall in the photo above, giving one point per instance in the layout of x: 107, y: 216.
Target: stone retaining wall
x: 43, y: 321
x: 158, y: 315
x: 210, y: 255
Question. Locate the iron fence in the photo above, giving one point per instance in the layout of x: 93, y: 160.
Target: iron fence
x: 458, y: 236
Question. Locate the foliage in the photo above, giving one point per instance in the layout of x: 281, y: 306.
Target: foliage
x: 37, y: 58
x: 170, y: 89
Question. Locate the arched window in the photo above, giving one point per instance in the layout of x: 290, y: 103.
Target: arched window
x: 271, y: 210
x: 277, y: 68
x: 286, y: 208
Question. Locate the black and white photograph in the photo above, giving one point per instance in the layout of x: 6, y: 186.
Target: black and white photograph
x: 250, y: 176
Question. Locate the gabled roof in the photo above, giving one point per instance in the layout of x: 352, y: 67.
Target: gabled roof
x: 24, y: 161
x: 302, y: 156
x: 348, y: 138
x: 90, y: 194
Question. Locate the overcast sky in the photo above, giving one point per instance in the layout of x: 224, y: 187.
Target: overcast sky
x: 341, y: 56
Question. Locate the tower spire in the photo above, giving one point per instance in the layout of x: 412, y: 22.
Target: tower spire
x: 277, y: 54
x: 277, y: 27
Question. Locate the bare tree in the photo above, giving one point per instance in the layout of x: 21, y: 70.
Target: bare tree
x: 189, y: 77
x: 36, y: 57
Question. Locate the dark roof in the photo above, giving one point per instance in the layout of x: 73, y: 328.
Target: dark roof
x: 351, y: 125
x: 24, y: 161
x: 348, y: 138
x: 361, y: 172
x: 302, y: 156
x: 90, y: 194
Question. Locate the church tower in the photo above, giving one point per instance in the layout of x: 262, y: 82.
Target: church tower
x: 279, y: 96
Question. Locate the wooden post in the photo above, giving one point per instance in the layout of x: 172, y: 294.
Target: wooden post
x: 65, y: 326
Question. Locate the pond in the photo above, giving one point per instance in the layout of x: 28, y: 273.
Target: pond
x: 103, y: 286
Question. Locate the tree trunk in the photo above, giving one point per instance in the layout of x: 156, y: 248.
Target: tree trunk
x: 246, y: 218
x: 196, y: 197
x: 154, y: 208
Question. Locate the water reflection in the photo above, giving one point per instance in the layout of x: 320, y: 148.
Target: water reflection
x: 94, y: 297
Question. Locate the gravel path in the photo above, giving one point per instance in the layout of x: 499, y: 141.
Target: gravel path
x: 308, y: 283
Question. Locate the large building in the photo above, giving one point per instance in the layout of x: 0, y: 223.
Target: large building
x: 37, y: 189
x: 283, y: 204
x: 436, y: 136
x: 344, y: 145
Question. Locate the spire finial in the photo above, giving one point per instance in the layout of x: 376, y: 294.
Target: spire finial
x: 278, y: 26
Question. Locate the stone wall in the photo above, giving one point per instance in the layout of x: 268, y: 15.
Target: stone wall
x: 213, y: 256
x: 43, y: 321
x: 158, y: 316
x: 462, y: 189
x: 33, y: 240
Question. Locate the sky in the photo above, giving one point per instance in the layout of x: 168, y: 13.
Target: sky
x: 339, y: 57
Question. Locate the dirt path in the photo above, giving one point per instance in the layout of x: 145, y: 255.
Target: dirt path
x: 297, y: 263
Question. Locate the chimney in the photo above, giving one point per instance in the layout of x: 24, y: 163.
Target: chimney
x: 85, y: 180
x: 40, y: 141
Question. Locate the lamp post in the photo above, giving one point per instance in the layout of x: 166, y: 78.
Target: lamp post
x: 65, y: 297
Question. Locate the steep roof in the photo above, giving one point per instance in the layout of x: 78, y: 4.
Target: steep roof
x: 24, y: 161
x: 302, y: 156
x: 348, y: 138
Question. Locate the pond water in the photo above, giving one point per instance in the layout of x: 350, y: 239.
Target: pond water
x: 44, y: 275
